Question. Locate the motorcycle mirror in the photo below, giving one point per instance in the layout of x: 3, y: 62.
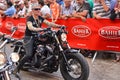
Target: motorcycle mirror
x: 63, y: 27
x: 13, y: 29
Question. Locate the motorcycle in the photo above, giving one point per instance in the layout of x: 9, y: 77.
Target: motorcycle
x: 7, y: 62
x: 52, y: 50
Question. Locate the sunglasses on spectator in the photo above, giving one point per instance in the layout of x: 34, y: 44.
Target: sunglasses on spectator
x: 36, y: 9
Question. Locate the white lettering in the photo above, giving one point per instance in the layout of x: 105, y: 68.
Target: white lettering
x: 81, y: 31
x: 109, y: 32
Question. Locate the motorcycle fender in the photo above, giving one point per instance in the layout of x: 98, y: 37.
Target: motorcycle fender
x: 71, y: 51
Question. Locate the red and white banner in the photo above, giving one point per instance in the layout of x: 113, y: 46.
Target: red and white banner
x: 93, y: 34
x: 7, y: 23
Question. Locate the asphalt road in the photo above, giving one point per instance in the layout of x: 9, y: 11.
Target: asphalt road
x: 101, y: 69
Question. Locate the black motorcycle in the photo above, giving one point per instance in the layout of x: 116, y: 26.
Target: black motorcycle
x: 52, y: 50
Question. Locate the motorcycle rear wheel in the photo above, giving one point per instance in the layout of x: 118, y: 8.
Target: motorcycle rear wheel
x: 79, y: 69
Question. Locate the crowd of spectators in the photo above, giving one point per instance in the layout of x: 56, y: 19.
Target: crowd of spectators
x: 62, y: 9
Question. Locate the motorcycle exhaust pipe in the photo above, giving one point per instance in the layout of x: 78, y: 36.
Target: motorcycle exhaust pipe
x: 50, y: 57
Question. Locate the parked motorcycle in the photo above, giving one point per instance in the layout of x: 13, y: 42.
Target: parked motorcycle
x: 52, y: 50
x: 7, y: 62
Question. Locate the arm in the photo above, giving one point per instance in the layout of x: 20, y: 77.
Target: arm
x: 1, y: 12
x: 106, y: 8
x: 51, y: 23
x: 96, y: 16
x: 83, y: 13
x: 31, y: 27
x: 58, y: 12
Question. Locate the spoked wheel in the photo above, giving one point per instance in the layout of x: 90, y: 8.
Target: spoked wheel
x: 78, y: 67
x: 75, y: 68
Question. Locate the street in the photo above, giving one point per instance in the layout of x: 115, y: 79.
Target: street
x: 101, y: 69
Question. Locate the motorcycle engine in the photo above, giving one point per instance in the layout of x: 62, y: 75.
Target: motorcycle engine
x: 40, y: 49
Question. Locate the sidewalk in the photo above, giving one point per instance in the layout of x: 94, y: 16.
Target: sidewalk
x: 104, y: 69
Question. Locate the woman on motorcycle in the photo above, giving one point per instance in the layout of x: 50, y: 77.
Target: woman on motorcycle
x: 33, y: 25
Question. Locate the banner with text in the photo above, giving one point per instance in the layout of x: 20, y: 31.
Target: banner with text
x: 93, y: 34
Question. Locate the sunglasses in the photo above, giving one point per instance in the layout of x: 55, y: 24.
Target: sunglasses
x: 36, y: 9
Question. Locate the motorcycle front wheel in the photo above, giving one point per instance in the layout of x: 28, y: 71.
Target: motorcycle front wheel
x: 78, y: 67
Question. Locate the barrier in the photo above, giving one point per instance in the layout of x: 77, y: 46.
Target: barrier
x: 93, y: 34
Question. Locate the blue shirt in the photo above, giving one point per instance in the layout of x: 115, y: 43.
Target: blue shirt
x: 112, y: 4
x: 67, y: 11
x: 10, y: 11
x: 60, y: 2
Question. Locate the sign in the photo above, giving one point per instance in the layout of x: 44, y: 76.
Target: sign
x: 93, y: 34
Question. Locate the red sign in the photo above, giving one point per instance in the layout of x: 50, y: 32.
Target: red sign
x: 6, y: 25
x: 93, y: 34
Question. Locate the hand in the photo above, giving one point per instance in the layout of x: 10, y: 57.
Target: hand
x: 98, y: 17
x: 83, y: 18
x: 64, y: 17
x: 6, y: 36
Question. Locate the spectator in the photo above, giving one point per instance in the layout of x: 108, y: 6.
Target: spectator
x: 17, y: 7
x: 66, y: 10
x: 81, y: 9
x: 73, y: 3
x: 101, y: 9
x: 55, y: 10
x: 27, y: 10
x: 91, y: 7
x: 10, y: 9
x: 15, y: 2
x: 46, y: 2
x: 45, y: 10
x: 22, y: 10
x: 115, y: 13
x: 3, y: 5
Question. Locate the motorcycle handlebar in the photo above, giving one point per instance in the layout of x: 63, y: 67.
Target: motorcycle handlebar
x: 8, y: 39
x: 49, y: 28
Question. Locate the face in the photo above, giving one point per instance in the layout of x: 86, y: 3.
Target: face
x: 67, y: 2
x: 50, y: 1
x: 36, y: 10
x: 80, y: 1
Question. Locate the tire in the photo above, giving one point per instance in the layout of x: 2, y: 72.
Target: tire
x: 83, y: 65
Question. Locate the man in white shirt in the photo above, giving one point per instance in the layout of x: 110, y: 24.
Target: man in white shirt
x: 45, y: 10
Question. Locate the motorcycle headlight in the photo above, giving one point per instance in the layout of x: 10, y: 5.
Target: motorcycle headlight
x: 63, y: 37
x: 2, y: 58
x: 14, y: 57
